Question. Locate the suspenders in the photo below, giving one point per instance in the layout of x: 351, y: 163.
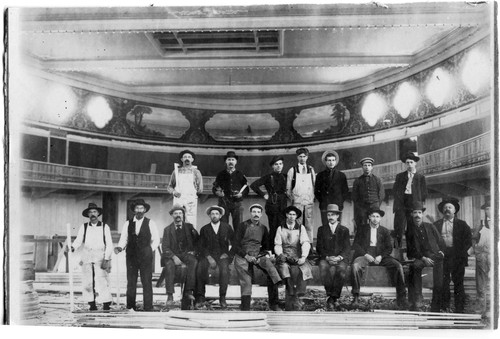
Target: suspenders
x: 98, y: 224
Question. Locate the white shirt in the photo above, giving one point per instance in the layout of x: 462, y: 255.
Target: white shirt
x: 410, y: 180
x: 333, y: 227
x: 155, y: 238
x: 94, y: 249
x: 447, y: 232
x: 373, y: 236
x: 215, y: 227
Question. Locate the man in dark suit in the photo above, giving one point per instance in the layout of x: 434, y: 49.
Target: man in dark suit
x: 333, y: 247
x: 457, y: 236
x: 179, y: 249
x: 409, y: 187
x: 373, y: 246
x: 426, y: 246
x: 215, y: 238
x: 331, y: 185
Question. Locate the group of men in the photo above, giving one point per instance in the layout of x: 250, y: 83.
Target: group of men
x: 281, y: 250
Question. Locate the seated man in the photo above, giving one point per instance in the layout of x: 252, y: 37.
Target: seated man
x: 215, y: 238
x: 178, y: 249
x: 373, y: 246
x: 292, y: 246
x: 333, y: 247
x: 252, y: 248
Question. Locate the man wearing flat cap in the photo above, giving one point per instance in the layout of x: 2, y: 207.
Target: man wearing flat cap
x: 252, y: 248
x: 231, y: 186
x: 94, y: 237
x: 139, y: 239
x: 292, y: 246
x: 216, y: 238
x: 275, y: 195
x: 372, y: 247
x: 331, y: 185
x: 333, y: 247
x: 186, y: 182
x: 409, y: 187
x: 425, y: 247
x: 367, y: 193
x: 300, y: 189
x: 457, y: 237
x: 179, y: 243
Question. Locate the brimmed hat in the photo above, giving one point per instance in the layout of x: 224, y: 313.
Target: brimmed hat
x: 410, y: 155
x: 376, y: 210
x: 177, y: 207
x: 139, y: 202
x: 275, y: 159
x: 215, y: 207
x: 92, y: 206
x: 302, y: 150
x: 486, y: 203
x: 367, y: 159
x: 185, y: 152
x: 256, y: 205
x: 293, y: 208
x: 230, y: 154
x: 333, y: 208
x: 418, y: 206
x: 323, y: 157
x: 453, y: 201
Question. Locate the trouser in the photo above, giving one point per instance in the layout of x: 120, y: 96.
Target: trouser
x: 453, y: 270
x: 482, y: 278
x: 294, y: 281
x: 395, y: 270
x: 145, y: 267
x: 415, y: 283
x: 275, y: 217
x: 202, y: 275
x: 306, y: 219
x: 242, y: 267
x: 332, y: 277
x: 190, y: 261
x: 402, y: 218
x: 233, y: 208
x: 95, y: 282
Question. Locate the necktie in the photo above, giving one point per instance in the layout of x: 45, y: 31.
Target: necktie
x: 303, y: 170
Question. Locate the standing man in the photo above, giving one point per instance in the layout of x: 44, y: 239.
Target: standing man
x: 275, y: 183
x: 179, y: 242
x: 97, y: 246
x: 215, y: 240
x: 331, y: 185
x: 457, y: 237
x: 252, y: 247
x: 231, y: 187
x: 300, y: 189
x: 139, y: 238
x: 185, y: 184
x: 333, y: 247
x: 367, y: 193
x: 292, y: 246
x: 409, y: 188
x: 372, y: 247
x: 426, y: 246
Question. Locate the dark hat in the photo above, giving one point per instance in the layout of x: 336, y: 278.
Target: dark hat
x: 230, y: 154
x: 177, y: 207
x: 418, y: 206
x: 139, y: 202
x: 256, y: 205
x: 333, y: 208
x: 453, y: 201
x: 323, y: 157
x: 486, y: 203
x: 215, y: 207
x: 92, y: 206
x: 367, y: 159
x: 410, y: 155
x: 185, y: 152
x: 376, y: 210
x: 293, y: 208
x: 302, y: 150
x: 275, y: 159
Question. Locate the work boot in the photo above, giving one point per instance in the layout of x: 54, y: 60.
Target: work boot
x: 298, y: 305
x: 170, y: 299
x: 355, y: 300
x: 245, y: 302
x: 275, y: 308
x: 93, y: 306
x: 222, y: 302
x: 106, y: 306
x: 330, y: 303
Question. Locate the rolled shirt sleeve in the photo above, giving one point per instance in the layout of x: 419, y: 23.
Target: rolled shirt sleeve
x: 278, y: 248
x: 124, y: 236
x: 304, y: 242
x: 155, y: 238
x: 109, y: 243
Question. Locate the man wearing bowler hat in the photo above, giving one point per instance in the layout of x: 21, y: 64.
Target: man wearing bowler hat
x: 179, y: 243
x: 457, y: 237
x: 139, y: 238
x: 231, y: 186
x: 94, y: 237
x: 409, y: 187
x: 331, y: 185
x: 367, y: 193
x: 185, y: 184
x: 372, y: 247
x: 333, y: 247
x: 216, y: 237
x: 275, y: 196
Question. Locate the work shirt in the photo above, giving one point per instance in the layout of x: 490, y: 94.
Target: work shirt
x: 215, y: 227
x: 410, y: 180
x: 333, y: 226
x: 197, y: 180
x: 373, y: 235
x: 447, y: 232
x: 290, y: 240
x: 155, y: 238
x: 94, y: 249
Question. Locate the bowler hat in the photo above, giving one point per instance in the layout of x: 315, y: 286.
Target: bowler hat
x: 275, y: 159
x: 417, y: 206
x: 92, y: 206
x: 376, y: 210
x: 185, y: 152
x: 139, y: 202
x: 323, y: 157
x: 333, y: 208
x: 177, y: 207
x: 367, y: 159
x: 215, y: 207
x: 410, y: 155
x: 256, y: 205
x: 292, y: 208
x: 453, y: 201
x: 302, y: 150
x: 230, y: 154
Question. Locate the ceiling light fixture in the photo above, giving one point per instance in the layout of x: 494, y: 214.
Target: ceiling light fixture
x: 441, y: 87
x: 406, y: 99
x: 374, y: 107
x: 476, y: 71
x: 99, y: 111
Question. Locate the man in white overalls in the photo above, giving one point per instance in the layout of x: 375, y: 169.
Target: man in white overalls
x: 185, y: 184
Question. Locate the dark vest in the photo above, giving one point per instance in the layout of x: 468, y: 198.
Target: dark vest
x: 138, y: 244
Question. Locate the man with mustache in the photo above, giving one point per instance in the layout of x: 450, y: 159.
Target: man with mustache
x: 426, y: 247
x: 97, y: 246
x: 252, y: 248
x: 457, y: 237
x: 186, y: 182
x: 179, y: 243
x: 139, y: 238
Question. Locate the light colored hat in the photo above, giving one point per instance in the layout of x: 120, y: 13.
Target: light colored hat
x: 177, y: 207
x: 256, y: 205
x: 323, y: 157
x: 333, y: 208
x: 367, y: 159
x: 215, y: 207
